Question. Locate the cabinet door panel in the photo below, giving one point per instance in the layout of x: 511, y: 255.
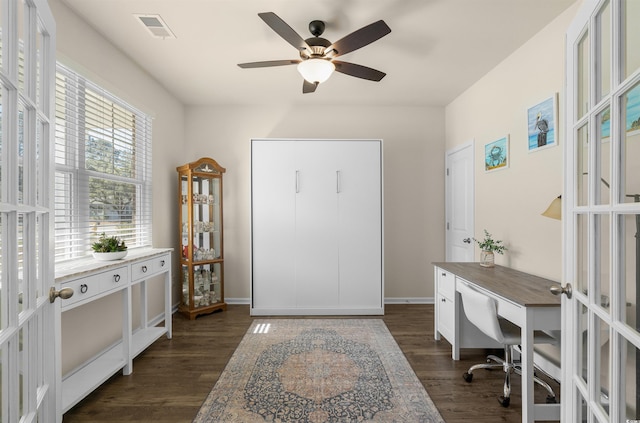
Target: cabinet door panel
x: 273, y: 224
x: 316, y: 252
x: 360, y: 224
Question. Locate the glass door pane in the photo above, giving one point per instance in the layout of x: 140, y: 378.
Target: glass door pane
x: 630, y: 106
x: 582, y: 166
x: 603, y: 144
x: 583, y: 76
x: 631, y: 37
x: 603, y: 22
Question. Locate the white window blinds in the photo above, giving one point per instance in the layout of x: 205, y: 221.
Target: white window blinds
x: 103, y: 168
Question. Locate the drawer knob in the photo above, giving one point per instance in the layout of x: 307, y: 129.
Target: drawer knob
x: 84, y: 288
x: 443, y: 300
x: 162, y: 263
x: 144, y: 269
x: 444, y: 274
x: 116, y: 278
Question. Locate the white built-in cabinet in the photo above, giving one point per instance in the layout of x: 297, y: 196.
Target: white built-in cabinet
x: 317, y: 220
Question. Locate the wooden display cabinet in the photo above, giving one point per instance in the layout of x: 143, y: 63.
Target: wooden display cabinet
x: 201, y: 250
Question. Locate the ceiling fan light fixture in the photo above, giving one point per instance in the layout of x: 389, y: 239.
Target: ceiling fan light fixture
x: 316, y: 70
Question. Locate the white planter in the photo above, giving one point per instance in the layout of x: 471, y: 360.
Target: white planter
x: 109, y: 256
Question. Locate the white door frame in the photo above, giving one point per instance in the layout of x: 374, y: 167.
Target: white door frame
x: 460, y: 241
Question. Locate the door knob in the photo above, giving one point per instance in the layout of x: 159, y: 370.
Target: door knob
x: 467, y: 240
x: 559, y: 289
x: 64, y: 293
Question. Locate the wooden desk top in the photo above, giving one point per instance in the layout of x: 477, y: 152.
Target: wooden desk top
x: 521, y: 288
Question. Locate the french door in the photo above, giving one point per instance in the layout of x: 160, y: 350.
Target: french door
x: 27, y: 318
x: 601, y: 333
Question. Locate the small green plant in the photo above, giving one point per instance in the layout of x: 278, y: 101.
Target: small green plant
x: 108, y: 244
x: 489, y: 244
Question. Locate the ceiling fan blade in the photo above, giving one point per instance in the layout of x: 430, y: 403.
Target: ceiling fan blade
x: 358, y: 71
x: 309, y: 87
x: 268, y: 63
x: 360, y: 38
x: 284, y: 30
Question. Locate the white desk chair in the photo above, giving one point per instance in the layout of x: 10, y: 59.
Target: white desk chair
x: 482, y: 311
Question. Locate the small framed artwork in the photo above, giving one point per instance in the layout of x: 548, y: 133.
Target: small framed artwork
x: 541, y: 128
x: 496, y: 154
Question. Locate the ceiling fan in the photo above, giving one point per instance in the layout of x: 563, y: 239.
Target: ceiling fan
x: 317, y: 55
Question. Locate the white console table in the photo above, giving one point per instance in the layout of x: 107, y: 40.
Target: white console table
x: 92, y: 279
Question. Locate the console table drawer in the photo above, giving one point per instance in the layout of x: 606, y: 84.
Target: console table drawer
x: 90, y: 286
x: 146, y: 268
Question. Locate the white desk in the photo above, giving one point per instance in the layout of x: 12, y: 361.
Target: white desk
x: 522, y: 298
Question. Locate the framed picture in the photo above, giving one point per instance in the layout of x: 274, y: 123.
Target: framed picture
x: 496, y: 154
x: 541, y: 128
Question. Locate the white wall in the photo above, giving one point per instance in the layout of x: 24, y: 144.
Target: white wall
x: 86, y: 51
x: 509, y: 202
x: 413, y: 140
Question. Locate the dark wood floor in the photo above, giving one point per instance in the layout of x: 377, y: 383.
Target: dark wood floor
x: 172, y: 377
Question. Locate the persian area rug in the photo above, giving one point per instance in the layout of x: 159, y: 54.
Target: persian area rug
x: 318, y: 370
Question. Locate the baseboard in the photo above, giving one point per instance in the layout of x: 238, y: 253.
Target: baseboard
x: 238, y: 301
x: 388, y: 300
x: 409, y: 300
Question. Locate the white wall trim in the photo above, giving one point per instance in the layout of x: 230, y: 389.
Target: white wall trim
x: 409, y: 300
x: 388, y: 300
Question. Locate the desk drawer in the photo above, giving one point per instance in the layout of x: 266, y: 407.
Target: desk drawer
x: 446, y: 315
x: 90, y: 286
x: 446, y: 284
x: 152, y: 266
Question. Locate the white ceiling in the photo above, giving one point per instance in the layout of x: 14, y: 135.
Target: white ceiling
x: 437, y: 48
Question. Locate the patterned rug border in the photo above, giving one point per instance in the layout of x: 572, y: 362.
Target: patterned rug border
x: 244, y: 391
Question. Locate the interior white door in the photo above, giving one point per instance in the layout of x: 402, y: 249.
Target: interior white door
x: 316, y: 223
x: 601, y: 216
x: 273, y: 201
x: 359, y: 187
x: 459, y: 204
x: 29, y: 337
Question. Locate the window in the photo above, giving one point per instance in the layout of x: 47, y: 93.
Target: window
x: 103, y: 168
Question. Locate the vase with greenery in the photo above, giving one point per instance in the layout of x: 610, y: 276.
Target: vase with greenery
x: 489, y: 247
x: 109, y: 248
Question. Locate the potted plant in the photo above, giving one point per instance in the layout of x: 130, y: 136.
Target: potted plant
x: 489, y: 247
x: 109, y: 248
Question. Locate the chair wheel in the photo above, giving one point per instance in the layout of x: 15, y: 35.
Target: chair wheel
x: 551, y: 400
x: 504, y: 401
x: 467, y: 376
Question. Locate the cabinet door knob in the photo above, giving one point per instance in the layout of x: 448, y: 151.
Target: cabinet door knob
x: 467, y: 240
x: 144, y: 269
x: 443, y: 300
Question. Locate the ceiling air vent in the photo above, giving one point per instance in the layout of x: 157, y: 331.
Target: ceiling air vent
x: 155, y: 25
